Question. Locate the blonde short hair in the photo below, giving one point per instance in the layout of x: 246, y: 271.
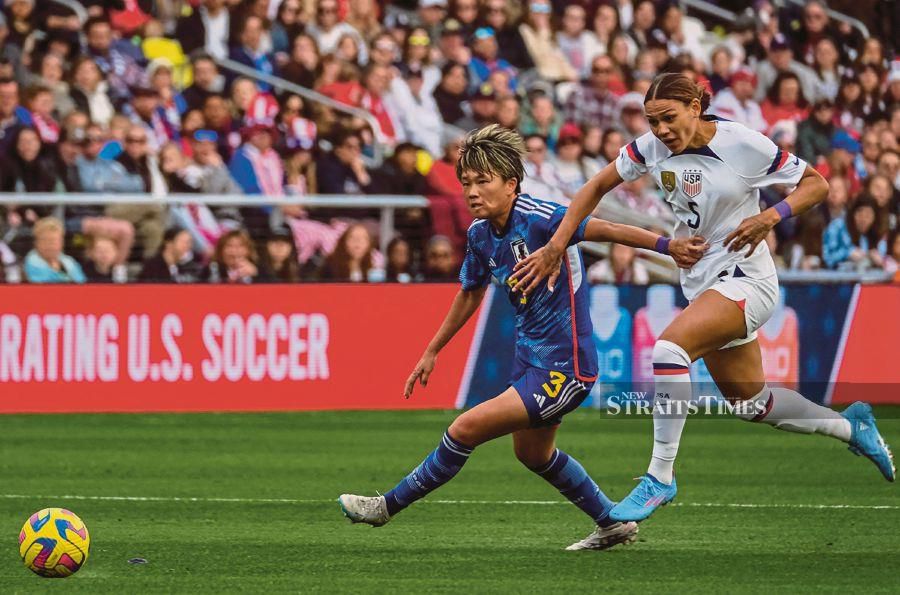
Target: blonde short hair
x: 48, y: 224
x: 493, y: 150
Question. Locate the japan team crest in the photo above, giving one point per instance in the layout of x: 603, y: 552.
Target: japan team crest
x: 692, y: 182
x: 668, y: 180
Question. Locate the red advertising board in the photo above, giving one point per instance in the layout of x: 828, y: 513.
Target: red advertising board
x: 867, y: 367
x: 204, y: 348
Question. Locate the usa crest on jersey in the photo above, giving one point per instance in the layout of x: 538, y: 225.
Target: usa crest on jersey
x: 692, y: 182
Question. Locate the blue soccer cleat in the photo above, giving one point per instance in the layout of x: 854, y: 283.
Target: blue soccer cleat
x: 865, y: 440
x: 646, y: 497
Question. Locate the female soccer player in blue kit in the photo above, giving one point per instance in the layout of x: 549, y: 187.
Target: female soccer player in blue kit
x: 711, y: 171
x: 555, y: 361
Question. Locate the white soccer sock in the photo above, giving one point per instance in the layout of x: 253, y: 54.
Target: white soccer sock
x: 673, y: 392
x: 788, y: 410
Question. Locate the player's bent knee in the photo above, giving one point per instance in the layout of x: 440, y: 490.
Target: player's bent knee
x: 667, y: 352
x: 466, y: 430
x: 533, y: 455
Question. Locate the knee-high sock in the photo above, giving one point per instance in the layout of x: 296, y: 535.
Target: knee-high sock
x: 788, y: 410
x: 672, y: 376
x: 438, y: 468
x: 569, y: 477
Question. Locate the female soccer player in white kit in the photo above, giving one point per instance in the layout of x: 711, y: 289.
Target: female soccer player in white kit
x: 711, y: 171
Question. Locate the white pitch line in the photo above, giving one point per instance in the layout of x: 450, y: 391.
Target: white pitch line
x: 464, y: 502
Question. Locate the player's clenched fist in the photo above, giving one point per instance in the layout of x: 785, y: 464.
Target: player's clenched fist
x: 421, y: 373
x: 687, y: 251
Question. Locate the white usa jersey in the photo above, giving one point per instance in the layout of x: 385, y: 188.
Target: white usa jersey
x: 711, y: 190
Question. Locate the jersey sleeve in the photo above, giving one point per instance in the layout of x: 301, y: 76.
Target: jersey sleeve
x: 557, y: 217
x: 473, y: 274
x: 631, y: 162
x: 762, y: 163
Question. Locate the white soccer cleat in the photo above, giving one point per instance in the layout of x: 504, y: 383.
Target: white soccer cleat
x: 604, y: 538
x: 371, y: 510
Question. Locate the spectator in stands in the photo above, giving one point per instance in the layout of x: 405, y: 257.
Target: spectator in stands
x: 508, y: 112
x: 870, y: 101
x: 736, y: 102
x: 39, y: 102
x: 145, y: 109
x: 279, y: 260
x: 207, y: 81
x: 815, y: 132
x: 827, y: 67
x: 848, y: 106
x: 835, y: 203
x: 540, y: 39
x: 485, y: 60
x: 610, y: 145
x: 644, y: 19
x: 120, y: 69
x: 205, y: 28
x: 572, y: 169
x: 348, y: 51
x: 785, y: 100
x: 451, y: 43
x: 101, y: 264
x: 576, y: 43
x: 630, y: 113
x: 26, y: 169
x: 287, y: 26
x: 854, y: 242
x: 171, y: 103
x: 399, y: 175
x: 432, y: 13
x: 417, y: 110
x: 12, y: 115
x: 816, y: 26
x: 303, y: 63
x: 441, y: 264
x: 342, y: 171
x: 173, y: 263
x: 781, y: 59
x: 328, y: 30
x: 90, y: 93
x: 399, y: 261
x: 871, y: 149
x: 879, y: 189
x: 100, y: 175
x: 542, y: 119
x: 593, y: 102
x: 622, y: 267
x: 541, y: 178
x: 496, y: 15
x: 721, y: 61
x: 483, y: 104
x: 235, y: 260
x: 256, y: 167
x: 46, y: 263
x: 251, y: 52
x: 451, y: 93
x: 441, y: 178
x: 466, y: 12
x: 50, y: 74
x: 352, y: 259
x: 138, y: 160
x: 215, y: 177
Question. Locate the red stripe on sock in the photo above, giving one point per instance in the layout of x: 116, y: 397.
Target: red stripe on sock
x: 769, y: 403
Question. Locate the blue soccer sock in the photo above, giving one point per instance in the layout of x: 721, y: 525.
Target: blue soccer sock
x: 569, y: 477
x: 437, y: 469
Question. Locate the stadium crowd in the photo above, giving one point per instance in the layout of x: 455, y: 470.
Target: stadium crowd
x: 135, y: 100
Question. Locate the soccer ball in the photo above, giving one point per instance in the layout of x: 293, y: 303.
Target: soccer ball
x: 54, y: 543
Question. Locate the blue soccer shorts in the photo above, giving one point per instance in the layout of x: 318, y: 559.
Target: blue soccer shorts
x: 548, y: 394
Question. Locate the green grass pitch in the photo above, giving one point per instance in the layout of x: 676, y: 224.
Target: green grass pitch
x: 246, y: 502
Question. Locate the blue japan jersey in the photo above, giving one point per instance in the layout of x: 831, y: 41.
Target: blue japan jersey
x: 553, y: 329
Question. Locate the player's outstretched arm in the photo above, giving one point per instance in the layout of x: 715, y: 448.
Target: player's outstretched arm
x: 544, y: 262
x: 464, y: 305
x: 684, y: 251
x: 810, y: 191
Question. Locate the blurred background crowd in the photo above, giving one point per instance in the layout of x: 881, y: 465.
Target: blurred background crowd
x: 135, y: 97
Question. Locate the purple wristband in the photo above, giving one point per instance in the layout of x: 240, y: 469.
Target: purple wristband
x: 662, y: 245
x: 784, y: 209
